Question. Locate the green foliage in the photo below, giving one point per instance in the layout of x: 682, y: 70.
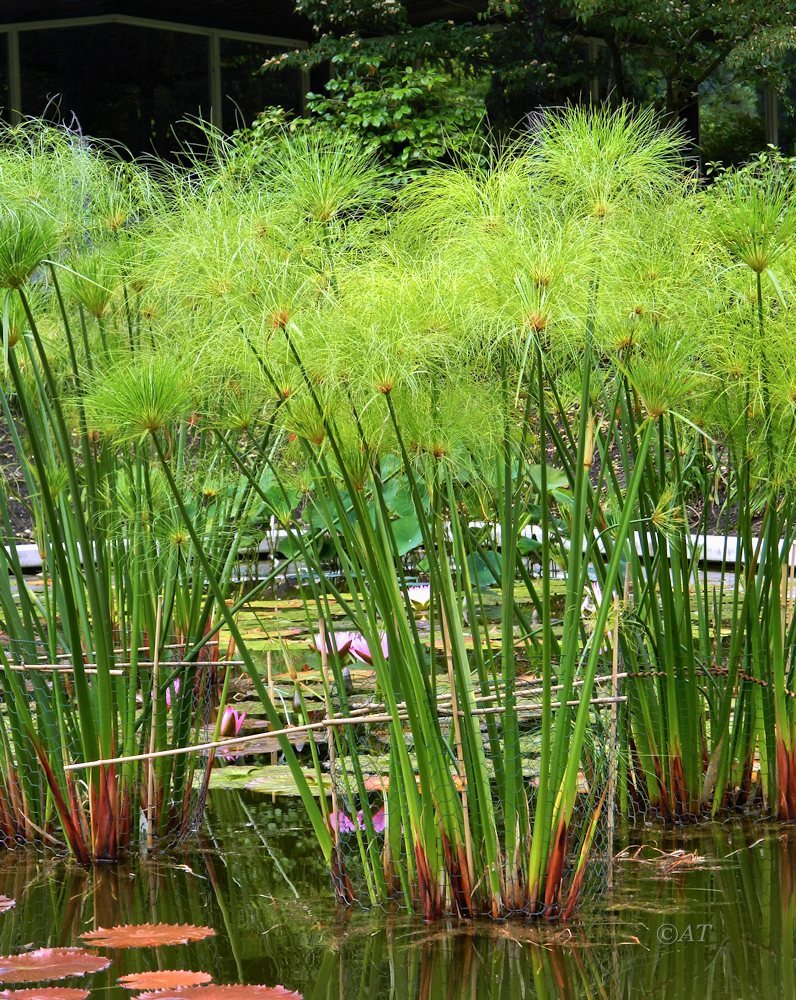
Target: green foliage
x: 690, y: 43
x: 731, y: 127
x: 405, y: 93
x: 567, y: 351
x: 409, y: 89
x: 409, y: 116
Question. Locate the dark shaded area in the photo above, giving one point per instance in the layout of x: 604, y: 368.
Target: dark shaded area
x: 245, y: 90
x: 138, y: 85
x: 14, y: 492
x: 4, y: 89
x: 129, y: 83
x: 276, y: 17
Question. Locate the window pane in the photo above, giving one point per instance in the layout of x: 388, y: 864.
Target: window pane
x: 246, y: 91
x: 120, y: 82
x: 5, y: 94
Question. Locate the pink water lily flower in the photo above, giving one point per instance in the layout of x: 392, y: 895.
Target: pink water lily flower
x: 360, y: 648
x: 341, y: 822
x: 379, y: 820
x: 231, y: 723
x: 335, y: 642
x: 172, y: 691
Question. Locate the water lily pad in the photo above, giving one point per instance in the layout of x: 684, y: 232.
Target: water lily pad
x: 269, y: 779
x: 49, y: 963
x: 166, y: 979
x: 236, y: 992
x: 145, y: 935
x: 270, y: 744
x: 44, y: 993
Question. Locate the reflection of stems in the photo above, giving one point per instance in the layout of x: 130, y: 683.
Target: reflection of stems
x: 324, y: 982
x: 214, y: 884
x: 267, y: 846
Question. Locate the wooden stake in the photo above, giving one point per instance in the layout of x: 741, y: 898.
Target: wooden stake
x: 355, y: 720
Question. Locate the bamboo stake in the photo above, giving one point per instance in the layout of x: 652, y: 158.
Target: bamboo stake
x: 150, y: 820
x: 69, y: 668
x: 58, y: 668
x: 166, y: 645
x: 290, y: 730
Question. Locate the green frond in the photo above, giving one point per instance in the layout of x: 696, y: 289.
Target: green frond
x: 601, y: 161
x: 26, y: 241
x: 753, y: 216
x: 138, y: 396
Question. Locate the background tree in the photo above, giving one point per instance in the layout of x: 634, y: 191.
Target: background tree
x: 409, y: 88
x: 409, y: 92
x: 686, y: 43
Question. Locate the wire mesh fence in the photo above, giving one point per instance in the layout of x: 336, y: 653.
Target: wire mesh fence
x: 367, y: 752
x: 158, y: 803
x: 160, y: 780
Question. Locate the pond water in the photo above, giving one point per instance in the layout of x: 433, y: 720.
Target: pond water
x: 705, y: 911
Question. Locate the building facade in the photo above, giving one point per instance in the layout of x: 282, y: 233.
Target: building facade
x: 134, y: 72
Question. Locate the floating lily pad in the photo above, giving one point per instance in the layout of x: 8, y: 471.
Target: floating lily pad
x: 166, y: 979
x: 270, y: 744
x: 278, y: 604
x: 145, y: 935
x: 276, y: 780
x: 236, y: 992
x: 49, y: 963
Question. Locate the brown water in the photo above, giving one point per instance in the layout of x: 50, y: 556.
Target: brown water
x: 719, y: 921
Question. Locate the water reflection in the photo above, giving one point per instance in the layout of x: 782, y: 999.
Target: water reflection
x: 717, y: 920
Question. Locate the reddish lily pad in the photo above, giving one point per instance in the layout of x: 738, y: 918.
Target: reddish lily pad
x: 167, y: 979
x: 236, y: 992
x: 44, y: 993
x: 49, y: 963
x: 6, y: 903
x: 145, y: 935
